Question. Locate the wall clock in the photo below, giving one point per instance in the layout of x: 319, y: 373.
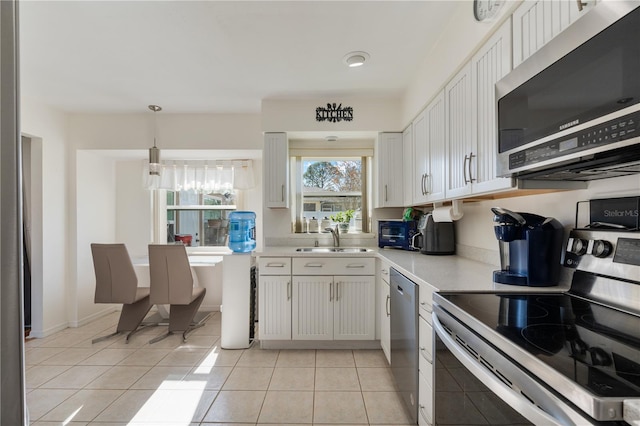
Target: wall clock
x: 485, y: 10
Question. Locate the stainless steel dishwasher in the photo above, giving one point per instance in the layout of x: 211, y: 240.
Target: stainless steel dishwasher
x: 404, y: 340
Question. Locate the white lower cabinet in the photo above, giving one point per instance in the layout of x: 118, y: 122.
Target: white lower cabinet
x: 312, y: 308
x: 315, y: 298
x: 426, y: 345
x: 274, y: 299
x: 275, y: 307
x: 333, y: 307
x: 426, y: 361
x: 425, y: 400
x: 384, y: 309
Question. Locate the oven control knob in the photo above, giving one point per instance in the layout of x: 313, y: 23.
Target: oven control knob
x: 601, y: 248
x: 578, y: 246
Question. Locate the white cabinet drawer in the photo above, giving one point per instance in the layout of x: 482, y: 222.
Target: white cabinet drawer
x: 425, y: 345
x: 334, y: 266
x: 274, y: 265
x: 425, y: 367
x: 425, y: 297
x: 384, y: 271
x: 425, y: 401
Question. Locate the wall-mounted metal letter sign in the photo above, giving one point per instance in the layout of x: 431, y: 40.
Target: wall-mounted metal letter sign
x: 334, y: 113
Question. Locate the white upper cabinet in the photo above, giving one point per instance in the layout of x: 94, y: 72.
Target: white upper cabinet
x: 471, y: 120
x: 276, y: 170
x: 488, y: 66
x: 389, y: 161
x: 408, y: 167
x: 460, y: 151
x: 420, y: 156
x: 428, y: 153
x: 536, y: 22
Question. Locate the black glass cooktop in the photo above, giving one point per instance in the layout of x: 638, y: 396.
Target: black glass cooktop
x: 593, y: 345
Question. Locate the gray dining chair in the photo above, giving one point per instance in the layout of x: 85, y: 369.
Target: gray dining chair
x: 172, y: 284
x: 116, y: 282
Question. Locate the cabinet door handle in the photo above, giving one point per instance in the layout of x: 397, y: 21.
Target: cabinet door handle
x: 422, y: 183
x: 426, y: 307
x: 313, y: 265
x: 288, y: 290
x: 424, y: 413
x: 337, y: 290
x: 580, y: 5
x: 384, y: 272
x: 464, y: 170
x: 385, y: 194
x: 471, y: 178
x: 282, y: 193
x: 387, y: 306
x: 330, y: 291
x: 426, y: 183
x: 355, y: 265
x: 425, y: 354
x: 274, y: 265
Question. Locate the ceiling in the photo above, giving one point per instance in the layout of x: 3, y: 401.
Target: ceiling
x: 219, y: 56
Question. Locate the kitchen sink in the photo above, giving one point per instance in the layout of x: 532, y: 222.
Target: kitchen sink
x: 334, y: 250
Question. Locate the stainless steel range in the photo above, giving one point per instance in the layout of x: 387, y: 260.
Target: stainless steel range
x: 558, y: 358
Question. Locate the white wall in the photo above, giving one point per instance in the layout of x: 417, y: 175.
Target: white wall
x: 133, y: 208
x: 476, y: 226
x: 50, y: 216
x: 174, y: 131
x: 95, y: 223
x: 375, y: 114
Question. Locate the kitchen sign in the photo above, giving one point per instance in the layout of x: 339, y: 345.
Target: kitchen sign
x: 334, y: 113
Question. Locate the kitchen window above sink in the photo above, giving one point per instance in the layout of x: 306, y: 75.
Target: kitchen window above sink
x: 331, y: 191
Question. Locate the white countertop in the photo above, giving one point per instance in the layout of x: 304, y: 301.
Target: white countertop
x: 194, y: 260
x: 444, y: 273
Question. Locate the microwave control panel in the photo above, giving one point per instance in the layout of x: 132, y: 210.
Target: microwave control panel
x: 619, y: 129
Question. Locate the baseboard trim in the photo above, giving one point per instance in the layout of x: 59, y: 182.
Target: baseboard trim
x: 320, y: 344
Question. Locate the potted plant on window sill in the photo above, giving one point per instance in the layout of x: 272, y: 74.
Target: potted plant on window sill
x: 343, y: 219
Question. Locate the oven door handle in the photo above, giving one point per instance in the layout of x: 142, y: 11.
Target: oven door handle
x: 516, y: 400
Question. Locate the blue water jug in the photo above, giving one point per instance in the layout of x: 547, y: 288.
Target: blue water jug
x: 242, y: 231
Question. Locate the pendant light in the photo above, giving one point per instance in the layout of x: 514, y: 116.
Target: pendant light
x: 154, y: 152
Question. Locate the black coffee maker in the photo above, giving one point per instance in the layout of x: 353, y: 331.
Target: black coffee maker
x: 530, y: 248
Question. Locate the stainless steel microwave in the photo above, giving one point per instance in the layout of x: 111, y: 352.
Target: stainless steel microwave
x: 573, y: 113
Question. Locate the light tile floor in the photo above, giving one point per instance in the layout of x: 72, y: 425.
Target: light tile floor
x: 71, y: 381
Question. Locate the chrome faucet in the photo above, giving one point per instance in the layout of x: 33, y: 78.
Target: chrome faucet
x: 335, y: 233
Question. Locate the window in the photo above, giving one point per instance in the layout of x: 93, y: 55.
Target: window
x: 193, y: 198
x: 331, y: 190
x: 199, y: 219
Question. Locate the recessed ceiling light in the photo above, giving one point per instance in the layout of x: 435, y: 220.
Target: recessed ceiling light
x: 355, y: 59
